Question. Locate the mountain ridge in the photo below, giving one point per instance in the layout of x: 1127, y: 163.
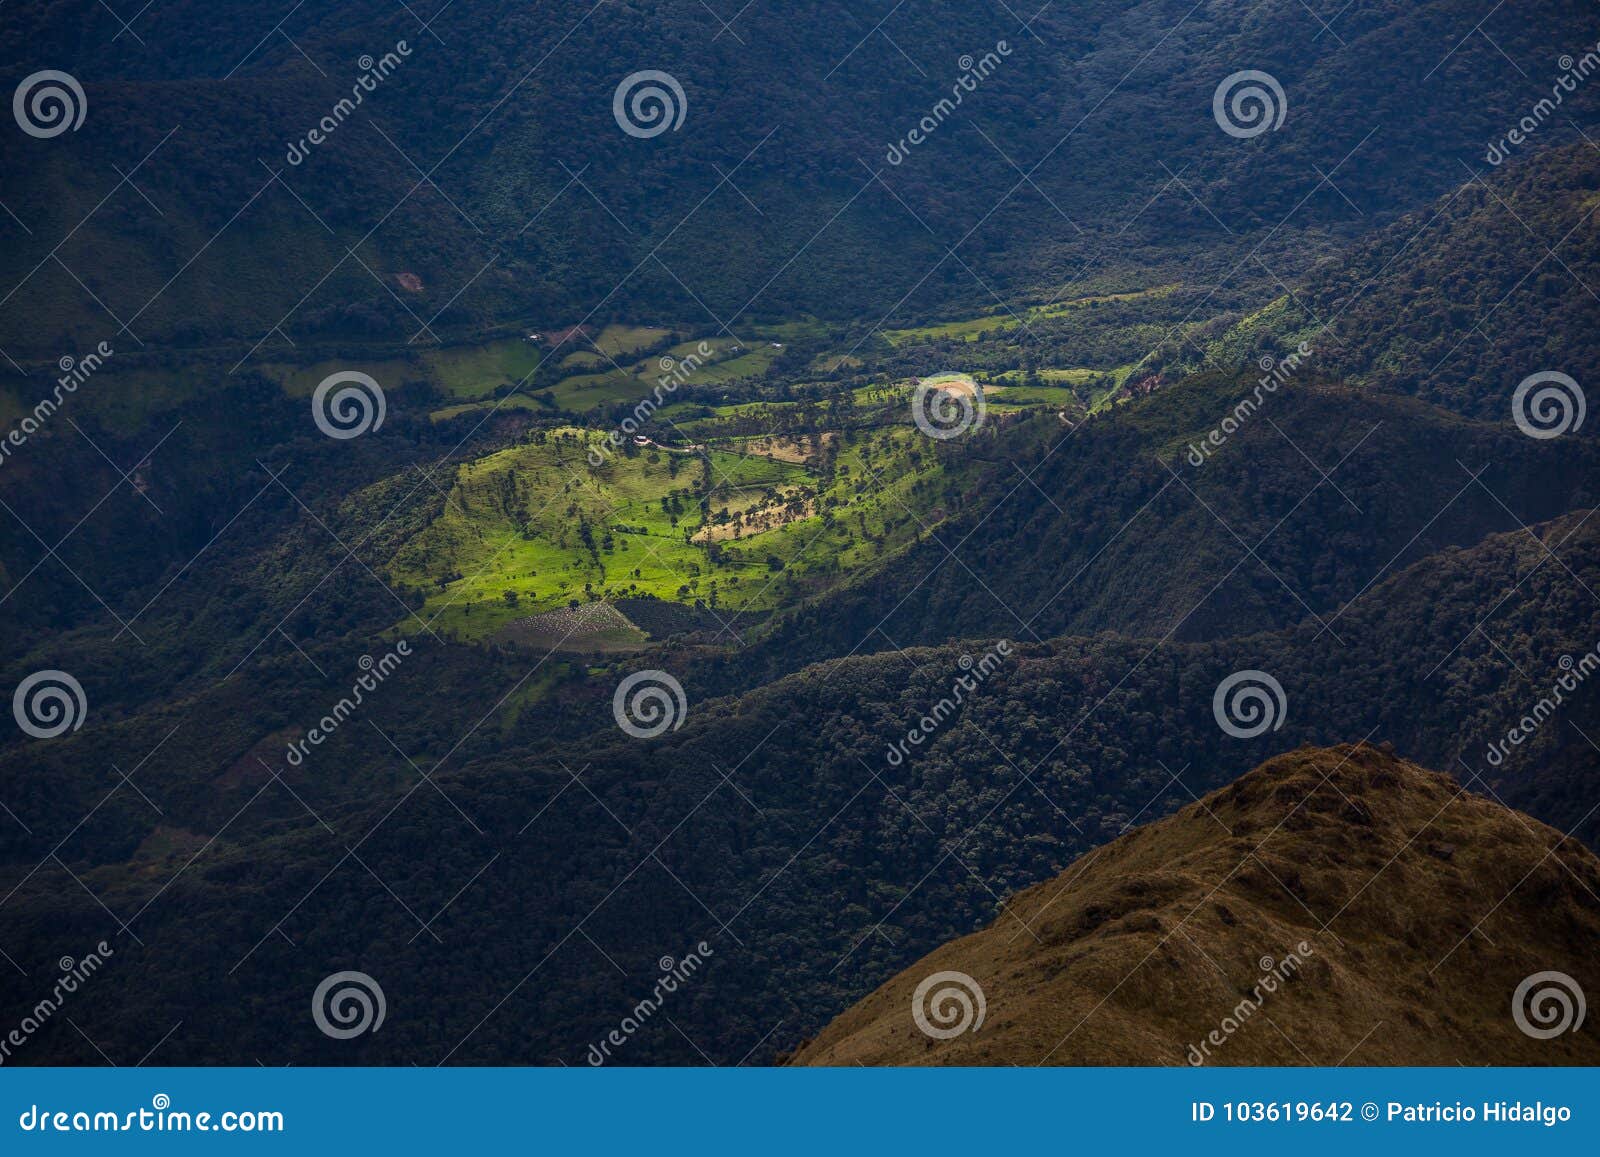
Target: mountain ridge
x: 1138, y: 953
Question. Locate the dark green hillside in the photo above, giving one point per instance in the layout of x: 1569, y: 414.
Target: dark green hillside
x: 206, y: 539
x: 1459, y: 301
x: 818, y: 867
x: 500, y: 106
x: 775, y: 540
x: 1114, y: 528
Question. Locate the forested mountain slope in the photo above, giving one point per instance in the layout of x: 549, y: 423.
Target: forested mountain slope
x: 776, y: 826
x: 1459, y: 301
x: 484, y: 179
x: 1114, y: 526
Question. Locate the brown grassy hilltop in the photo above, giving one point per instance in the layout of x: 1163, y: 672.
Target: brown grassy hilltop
x: 1421, y: 907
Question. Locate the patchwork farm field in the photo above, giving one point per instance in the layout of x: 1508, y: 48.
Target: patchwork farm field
x: 623, y: 363
x: 784, y: 464
x: 1080, y: 351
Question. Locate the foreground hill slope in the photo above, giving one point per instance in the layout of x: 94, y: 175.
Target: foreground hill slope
x: 1395, y: 912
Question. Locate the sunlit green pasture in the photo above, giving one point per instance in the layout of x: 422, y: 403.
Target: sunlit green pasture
x: 539, y: 526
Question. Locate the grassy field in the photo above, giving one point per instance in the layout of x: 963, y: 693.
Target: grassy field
x: 512, y: 402
x: 621, y: 363
x: 609, y: 372
x: 751, y: 527
x: 619, y: 341
x: 746, y: 507
x: 1075, y: 376
x: 600, y: 370
x: 470, y: 371
x: 1032, y: 395
x: 1001, y: 318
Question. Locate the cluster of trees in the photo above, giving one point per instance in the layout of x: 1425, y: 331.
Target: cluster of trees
x: 1459, y: 302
